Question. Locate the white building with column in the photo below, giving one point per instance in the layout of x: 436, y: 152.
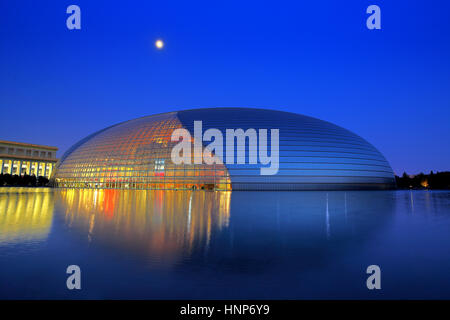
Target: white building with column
x: 25, y: 158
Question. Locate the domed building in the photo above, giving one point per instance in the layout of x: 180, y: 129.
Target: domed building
x: 305, y: 154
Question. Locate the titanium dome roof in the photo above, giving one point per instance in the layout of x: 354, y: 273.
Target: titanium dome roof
x: 136, y: 154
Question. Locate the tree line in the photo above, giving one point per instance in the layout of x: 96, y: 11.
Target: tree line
x: 14, y: 180
x: 438, y: 180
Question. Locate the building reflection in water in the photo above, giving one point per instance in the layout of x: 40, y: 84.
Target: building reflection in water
x: 298, y: 230
x: 160, y: 224
x: 25, y: 216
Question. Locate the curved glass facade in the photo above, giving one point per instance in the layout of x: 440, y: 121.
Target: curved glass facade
x: 313, y: 155
x: 135, y: 155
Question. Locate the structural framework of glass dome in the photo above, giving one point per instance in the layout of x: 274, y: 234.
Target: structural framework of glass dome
x: 136, y: 154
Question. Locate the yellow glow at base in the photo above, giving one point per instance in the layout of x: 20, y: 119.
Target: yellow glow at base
x: 159, y: 44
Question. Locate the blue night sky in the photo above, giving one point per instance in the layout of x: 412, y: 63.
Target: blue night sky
x: 390, y: 86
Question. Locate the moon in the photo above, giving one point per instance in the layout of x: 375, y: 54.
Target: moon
x: 159, y: 44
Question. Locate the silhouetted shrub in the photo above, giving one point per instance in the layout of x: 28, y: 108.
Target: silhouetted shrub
x: 7, y: 178
x: 33, y: 180
x: 42, y: 181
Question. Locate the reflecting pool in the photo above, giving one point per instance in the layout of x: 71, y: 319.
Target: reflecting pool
x: 156, y: 244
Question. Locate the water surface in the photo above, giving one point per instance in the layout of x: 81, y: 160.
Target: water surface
x: 232, y: 245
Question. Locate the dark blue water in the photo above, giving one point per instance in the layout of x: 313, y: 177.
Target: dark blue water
x: 189, y: 245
